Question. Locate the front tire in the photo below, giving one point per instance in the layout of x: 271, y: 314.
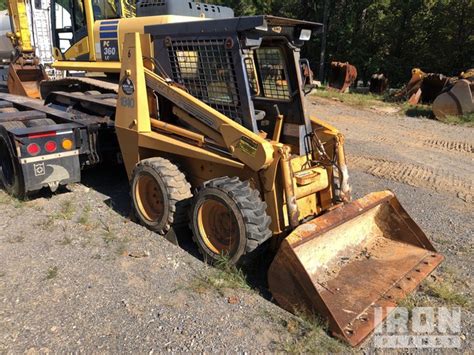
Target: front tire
x: 228, y: 218
x: 160, y: 195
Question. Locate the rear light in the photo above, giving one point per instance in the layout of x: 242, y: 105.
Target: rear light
x: 50, y: 146
x: 33, y: 149
x: 67, y: 144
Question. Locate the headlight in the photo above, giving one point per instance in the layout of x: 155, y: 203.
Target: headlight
x: 305, y: 35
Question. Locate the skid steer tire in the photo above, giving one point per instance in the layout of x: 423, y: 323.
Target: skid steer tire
x: 39, y: 122
x: 160, y: 195
x: 228, y: 218
x: 11, y: 175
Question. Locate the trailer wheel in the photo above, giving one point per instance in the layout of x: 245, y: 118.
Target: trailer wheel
x: 229, y: 218
x: 13, y: 124
x: 39, y: 122
x: 11, y: 175
x: 160, y: 194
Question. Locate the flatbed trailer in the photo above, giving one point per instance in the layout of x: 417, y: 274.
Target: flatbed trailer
x: 47, y: 143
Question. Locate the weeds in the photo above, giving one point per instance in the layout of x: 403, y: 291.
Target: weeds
x: 84, y: 218
x: 446, y: 291
x: 52, y: 273
x: 353, y: 99
x: 223, y: 276
x: 108, y: 235
x: 67, y: 210
x: 467, y: 119
x: 370, y: 100
x: 309, y: 335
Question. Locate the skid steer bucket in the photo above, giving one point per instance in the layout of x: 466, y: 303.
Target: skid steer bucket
x: 345, y: 264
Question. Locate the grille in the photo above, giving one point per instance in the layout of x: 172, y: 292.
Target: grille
x: 148, y: 3
x: 272, y: 69
x: 206, y: 69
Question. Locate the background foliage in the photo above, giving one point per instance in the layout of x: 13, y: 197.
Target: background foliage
x: 389, y: 36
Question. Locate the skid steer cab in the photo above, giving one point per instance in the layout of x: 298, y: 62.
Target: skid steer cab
x: 213, y: 132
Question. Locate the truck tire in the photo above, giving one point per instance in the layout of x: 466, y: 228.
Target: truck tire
x: 39, y: 122
x: 11, y: 175
x: 12, y: 124
x: 160, y: 195
x: 229, y: 218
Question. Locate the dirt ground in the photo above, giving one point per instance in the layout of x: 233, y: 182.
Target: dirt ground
x: 77, y: 275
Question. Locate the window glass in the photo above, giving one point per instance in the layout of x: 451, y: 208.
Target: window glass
x: 188, y: 62
x: 106, y: 9
x: 272, y: 70
x: 252, y: 76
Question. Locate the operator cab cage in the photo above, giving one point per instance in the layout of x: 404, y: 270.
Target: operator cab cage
x: 246, y: 68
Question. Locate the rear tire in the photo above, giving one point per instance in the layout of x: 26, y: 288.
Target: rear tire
x: 228, y: 218
x: 160, y: 195
x: 11, y: 175
x: 13, y: 124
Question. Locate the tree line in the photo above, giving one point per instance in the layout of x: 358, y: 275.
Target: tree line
x: 382, y: 36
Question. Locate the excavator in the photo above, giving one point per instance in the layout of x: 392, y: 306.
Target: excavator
x: 206, y: 111
x: 25, y: 72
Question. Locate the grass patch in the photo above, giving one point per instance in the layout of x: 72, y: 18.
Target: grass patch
x: 446, y: 289
x: 309, y: 335
x: 371, y: 100
x: 223, y: 276
x: 447, y: 292
x: 108, y: 235
x: 465, y: 120
x: 353, y: 99
x: 67, y: 210
x: 84, y: 218
x: 52, y: 273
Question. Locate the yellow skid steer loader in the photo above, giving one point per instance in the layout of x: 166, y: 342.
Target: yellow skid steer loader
x: 338, y: 258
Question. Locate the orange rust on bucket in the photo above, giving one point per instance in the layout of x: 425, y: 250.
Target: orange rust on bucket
x: 366, y: 254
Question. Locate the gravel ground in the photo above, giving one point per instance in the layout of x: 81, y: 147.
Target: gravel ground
x: 77, y: 275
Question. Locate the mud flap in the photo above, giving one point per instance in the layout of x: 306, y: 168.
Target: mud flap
x: 345, y: 264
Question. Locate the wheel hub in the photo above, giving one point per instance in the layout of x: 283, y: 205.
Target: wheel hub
x: 218, y: 227
x: 149, y: 198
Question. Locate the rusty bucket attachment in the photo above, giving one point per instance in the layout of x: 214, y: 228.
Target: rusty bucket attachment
x: 459, y: 100
x: 24, y: 79
x: 343, y: 265
x: 341, y: 76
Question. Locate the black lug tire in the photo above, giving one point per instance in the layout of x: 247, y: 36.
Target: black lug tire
x: 249, y: 211
x: 13, y: 124
x: 39, y: 122
x: 175, y: 190
x: 11, y: 175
